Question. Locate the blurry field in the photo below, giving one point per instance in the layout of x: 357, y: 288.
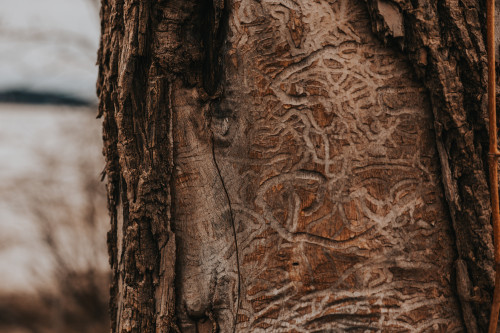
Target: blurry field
x: 49, y: 46
x: 54, y: 273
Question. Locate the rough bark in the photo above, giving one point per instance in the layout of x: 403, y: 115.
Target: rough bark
x: 296, y: 166
x: 139, y: 166
x: 444, y: 41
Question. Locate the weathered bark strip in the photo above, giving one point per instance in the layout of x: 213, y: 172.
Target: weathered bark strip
x: 444, y: 41
x: 138, y: 149
x: 158, y: 60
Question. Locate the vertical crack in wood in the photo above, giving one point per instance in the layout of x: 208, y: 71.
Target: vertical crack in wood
x: 213, y: 35
x: 233, y: 226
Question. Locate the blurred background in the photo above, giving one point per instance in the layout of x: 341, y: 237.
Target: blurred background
x: 54, y: 272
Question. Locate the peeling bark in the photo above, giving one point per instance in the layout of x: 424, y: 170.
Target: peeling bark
x: 445, y: 42
x: 280, y: 166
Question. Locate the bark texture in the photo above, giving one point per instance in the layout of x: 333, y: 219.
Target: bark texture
x: 296, y: 165
x: 445, y: 44
x: 134, y: 102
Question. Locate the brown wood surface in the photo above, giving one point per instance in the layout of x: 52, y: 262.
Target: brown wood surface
x: 296, y: 165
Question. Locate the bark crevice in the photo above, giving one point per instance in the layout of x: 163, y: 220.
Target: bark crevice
x: 233, y: 226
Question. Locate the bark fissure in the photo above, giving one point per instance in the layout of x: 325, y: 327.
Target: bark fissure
x: 213, y: 33
x: 233, y: 225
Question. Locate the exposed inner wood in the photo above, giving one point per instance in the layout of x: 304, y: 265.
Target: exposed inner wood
x: 333, y: 176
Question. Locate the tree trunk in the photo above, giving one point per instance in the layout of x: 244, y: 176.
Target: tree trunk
x: 296, y: 165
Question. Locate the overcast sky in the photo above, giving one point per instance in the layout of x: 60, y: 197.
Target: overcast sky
x: 49, y: 45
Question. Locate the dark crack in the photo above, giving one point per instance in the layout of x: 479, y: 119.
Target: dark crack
x: 234, y: 231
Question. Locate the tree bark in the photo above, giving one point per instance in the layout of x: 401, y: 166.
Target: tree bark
x: 448, y: 53
x: 296, y: 165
